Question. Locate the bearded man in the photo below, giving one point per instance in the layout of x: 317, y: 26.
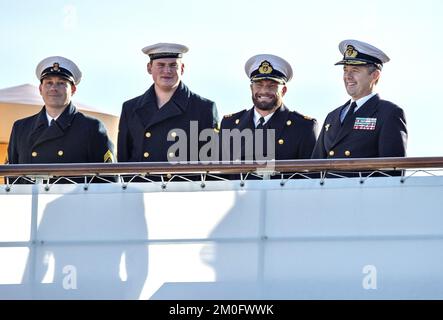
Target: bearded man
x: 269, y: 130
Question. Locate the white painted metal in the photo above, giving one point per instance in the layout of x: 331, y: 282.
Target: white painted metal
x: 382, y: 239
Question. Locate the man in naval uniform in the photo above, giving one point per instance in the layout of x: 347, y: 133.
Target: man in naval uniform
x: 151, y: 123
x: 365, y: 126
x: 294, y: 134
x: 59, y: 133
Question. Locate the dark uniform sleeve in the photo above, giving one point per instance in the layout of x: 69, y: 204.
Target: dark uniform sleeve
x: 224, y: 145
x: 319, y: 148
x: 209, y: 121
x: 12, y: 147
x: 124, y: 144
x: 210, y: 118
x: 308, y: 144
x: 101, y: 149
x: 393, y: 136
x: 223, y: 124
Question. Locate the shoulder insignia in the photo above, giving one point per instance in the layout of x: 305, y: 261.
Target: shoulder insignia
x: 108, y: 157
x: 228, y: 115
x: 308, y: 118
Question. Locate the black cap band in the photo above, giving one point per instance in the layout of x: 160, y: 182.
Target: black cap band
x: 59, y: 71
x: 161, y: 55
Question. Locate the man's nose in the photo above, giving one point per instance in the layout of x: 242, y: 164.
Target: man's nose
x: 168, y: 69
x: 347, y: 75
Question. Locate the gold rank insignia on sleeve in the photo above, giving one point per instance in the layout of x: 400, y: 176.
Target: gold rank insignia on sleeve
x: 108, y: 157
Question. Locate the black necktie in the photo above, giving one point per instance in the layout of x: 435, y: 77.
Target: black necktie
x: 52, y: 123
x: 350, y: 113
x: 261, y: 121
x: 260, y: 125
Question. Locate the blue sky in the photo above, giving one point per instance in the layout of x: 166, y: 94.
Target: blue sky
x: 105, y: 40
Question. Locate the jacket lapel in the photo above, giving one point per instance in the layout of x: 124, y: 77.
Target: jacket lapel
x: 147, y: 108
x: 40, y: 125
x: 43, y: 133
x: 247, y: 120
x: 365, y: 111
x: 176, y: 106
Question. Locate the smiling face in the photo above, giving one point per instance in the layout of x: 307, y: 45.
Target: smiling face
x: 56, y: 92
x: 359, y: 80
x: 267, y: 95
x: 166, y: 72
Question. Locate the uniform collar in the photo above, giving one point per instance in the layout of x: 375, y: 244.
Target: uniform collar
x: 50, y: 118
x: 362, y: 101
x: 41, y: 132
x: 150, y: 114
x: 257, y: 117
x: 180, y: 97
x: 65, y: 119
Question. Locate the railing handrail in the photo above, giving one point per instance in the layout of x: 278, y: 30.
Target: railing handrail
x: 78, y: 169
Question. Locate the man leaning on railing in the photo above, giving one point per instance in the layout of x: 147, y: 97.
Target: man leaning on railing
x: 365, y: 126
x: 59, y: 133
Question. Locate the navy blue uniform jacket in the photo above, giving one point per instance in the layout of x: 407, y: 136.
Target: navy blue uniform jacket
x: 295, y: 134
x: 377, y: 129
x: 144, y: 128
x: 73, y: 138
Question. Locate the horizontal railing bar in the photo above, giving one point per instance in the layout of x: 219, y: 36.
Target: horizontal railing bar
x: 78, y: 169
x: 248, y: 239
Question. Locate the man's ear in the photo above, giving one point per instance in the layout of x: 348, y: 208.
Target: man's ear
x: 376, y: 75
x: 283, y: 90
x: 182, y: 68
x: 149, y: 67
x: 73, y: 89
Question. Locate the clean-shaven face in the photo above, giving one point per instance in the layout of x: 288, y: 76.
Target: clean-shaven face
x: 166, y: 72
x: 358, y: 81
x: 56, y: 91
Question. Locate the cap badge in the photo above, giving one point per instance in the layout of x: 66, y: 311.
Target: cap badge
x: 265, y: 68
x: 55, y: 67
x: 350, y: 52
